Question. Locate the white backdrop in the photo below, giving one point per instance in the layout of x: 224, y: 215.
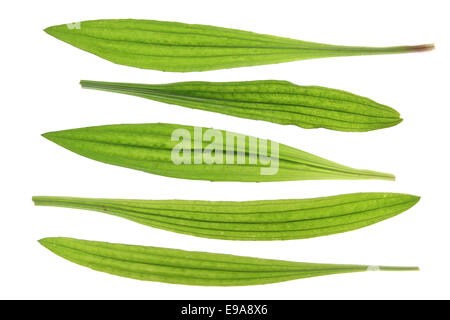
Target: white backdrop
x: 40, y: 93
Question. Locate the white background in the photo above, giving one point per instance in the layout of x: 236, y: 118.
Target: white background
x: 40, y: 93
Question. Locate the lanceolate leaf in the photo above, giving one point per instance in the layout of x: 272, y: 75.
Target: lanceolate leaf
x: 270, y: 100
x: 173, y: 46
x: 250, y: 220
x: 189, y: 267
x: 201, y: 154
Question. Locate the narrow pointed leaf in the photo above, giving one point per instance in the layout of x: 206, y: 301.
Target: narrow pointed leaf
x: 185, y: 152
x: 275, y: 101
x: 181, y: 47
x: 189, y: 267
x: 250, y: 220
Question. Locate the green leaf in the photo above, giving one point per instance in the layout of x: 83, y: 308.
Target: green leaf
x: 199, y: 153
x: 250, y: 220
x: 269, y: 100
x: 180, y: 47
x: 189, y: 267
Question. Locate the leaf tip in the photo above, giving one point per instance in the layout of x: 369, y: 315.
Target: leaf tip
x: 48, y: 135
x: 55, y: 137
x: 51, y: 30
x: 44, y: 242
x: 411, y: 199
x: 415, y: 199
x: 51, y: 242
